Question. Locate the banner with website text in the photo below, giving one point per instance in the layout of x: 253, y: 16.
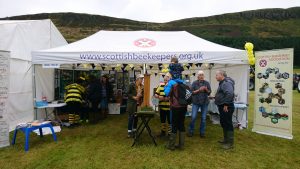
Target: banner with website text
x: 273, y: 93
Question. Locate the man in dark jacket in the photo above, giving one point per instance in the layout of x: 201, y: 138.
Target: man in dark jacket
x: 201, y: 90
x: 224, y: 100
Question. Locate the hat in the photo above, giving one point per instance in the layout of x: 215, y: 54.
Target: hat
x: 140, y: 76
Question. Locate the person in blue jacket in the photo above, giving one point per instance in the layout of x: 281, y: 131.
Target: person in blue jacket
x: 178, y: 111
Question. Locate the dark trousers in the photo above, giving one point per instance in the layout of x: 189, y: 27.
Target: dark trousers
x: 95, y: 104
x: 132, y: 122
x: 74, y: 107
x: 226, y: 117
x: 95, y: 112
x: 164, y: 116
x: 178, y: 117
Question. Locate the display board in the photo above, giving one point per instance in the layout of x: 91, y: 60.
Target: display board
x: 273, y: 93
x: 4, y: 84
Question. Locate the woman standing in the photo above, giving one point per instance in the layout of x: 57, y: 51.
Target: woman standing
x: 135, y: 99
x: 106, y: 91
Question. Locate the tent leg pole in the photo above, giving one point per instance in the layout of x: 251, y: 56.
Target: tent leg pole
x: 34, y: 93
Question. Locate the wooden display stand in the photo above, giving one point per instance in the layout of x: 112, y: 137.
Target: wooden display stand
x: 146, y: 91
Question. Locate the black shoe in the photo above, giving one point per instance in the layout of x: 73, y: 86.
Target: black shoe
x: 227, y: 146
x: 202, y: 135
x: 130, y: 135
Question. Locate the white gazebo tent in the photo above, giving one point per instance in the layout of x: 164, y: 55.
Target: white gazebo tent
x: 20, y: 38
x: 152, y: 47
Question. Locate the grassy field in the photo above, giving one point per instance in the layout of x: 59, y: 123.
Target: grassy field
x: 105, y: 145
x: 296, y: 69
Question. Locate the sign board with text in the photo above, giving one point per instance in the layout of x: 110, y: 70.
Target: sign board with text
x: 4, y: 84
x: 273, y: 93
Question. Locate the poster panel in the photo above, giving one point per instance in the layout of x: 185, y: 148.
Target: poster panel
x: 273, y: 93
x: 4, y: 83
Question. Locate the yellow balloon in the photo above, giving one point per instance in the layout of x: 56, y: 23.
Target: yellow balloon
x: 249, y: 46
x: 250, y: 52
x: 252, y: 61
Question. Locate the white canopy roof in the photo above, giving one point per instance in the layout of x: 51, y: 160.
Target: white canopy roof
x: 140, y: 47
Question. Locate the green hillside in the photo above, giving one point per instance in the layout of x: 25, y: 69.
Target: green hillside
x: 266, y: 29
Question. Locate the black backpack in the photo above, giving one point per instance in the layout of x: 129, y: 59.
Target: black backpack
x: 184, y: 94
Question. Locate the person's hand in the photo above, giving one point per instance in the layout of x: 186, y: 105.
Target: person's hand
x: 161, y: 98
x: 225, y: 108
x: 196, y: 91
x: 203, y: 88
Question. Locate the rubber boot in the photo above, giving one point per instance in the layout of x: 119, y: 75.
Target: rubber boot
x: 169, y: 128
x: 225, y: 137
x: 171, y: 143
x: 181, y: 141
x: 71, y: 119
x: 229, y: 144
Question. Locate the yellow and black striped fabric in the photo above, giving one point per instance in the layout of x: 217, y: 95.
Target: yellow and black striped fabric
x: 74, y: 93
x: 163, y: 105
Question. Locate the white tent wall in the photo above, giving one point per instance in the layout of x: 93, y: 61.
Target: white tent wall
x: 44, y: 86
x: 154, y: 82
x: 240, y: 74
x: 19, y: 105
x: 21, y: 38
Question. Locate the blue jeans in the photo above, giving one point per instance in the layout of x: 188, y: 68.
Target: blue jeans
x: 195, y: 108
x: 132, y: 122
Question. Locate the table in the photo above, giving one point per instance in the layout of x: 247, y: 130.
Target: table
x: 51, y: 105
x: 29, y: 128
x: 145, y: 117
x: 240, y: 115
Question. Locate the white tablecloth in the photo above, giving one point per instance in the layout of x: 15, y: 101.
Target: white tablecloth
x: 239, y: 117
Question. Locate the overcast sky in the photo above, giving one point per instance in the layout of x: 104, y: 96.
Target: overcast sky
x: 142, y: 10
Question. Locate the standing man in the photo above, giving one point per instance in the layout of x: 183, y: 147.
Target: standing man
x: 94, y: 97
x: 201, y: 90
x: 224, y: 100
x: 164, y: 107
